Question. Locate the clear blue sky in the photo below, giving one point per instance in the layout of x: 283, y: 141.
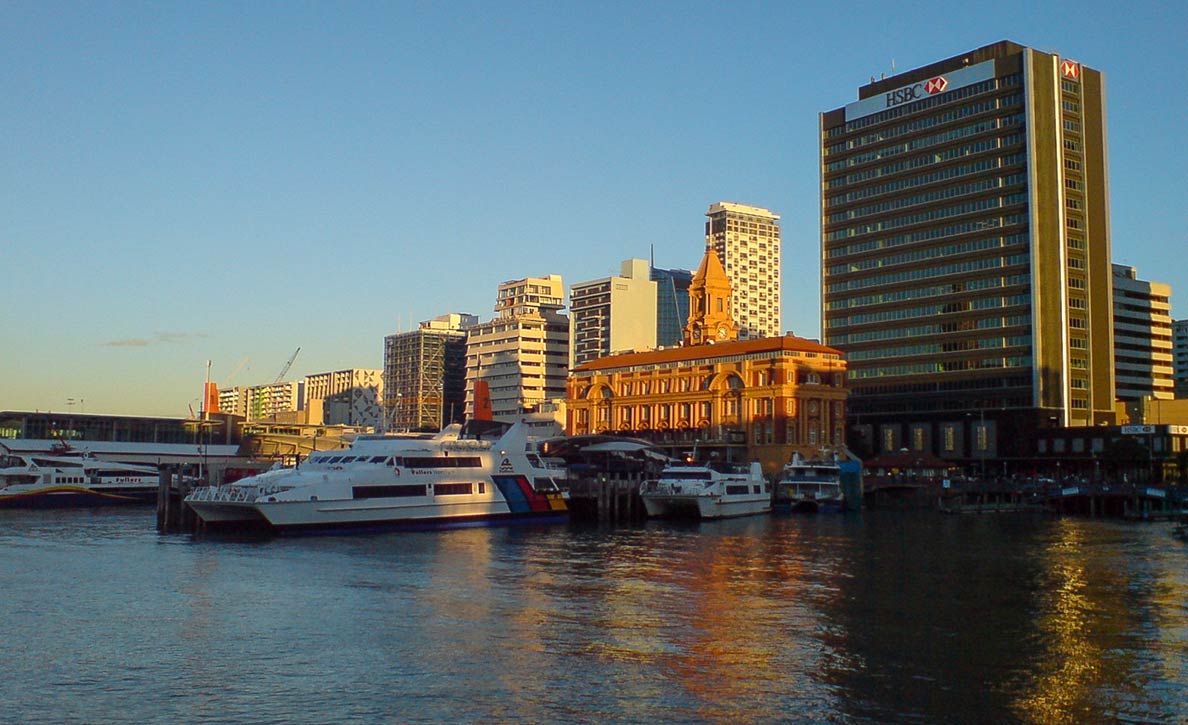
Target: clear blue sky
x: 183, y: 182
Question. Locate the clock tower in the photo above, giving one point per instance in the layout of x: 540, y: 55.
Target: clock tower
x: 710, y: 317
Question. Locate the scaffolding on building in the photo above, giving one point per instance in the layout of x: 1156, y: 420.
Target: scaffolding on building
x: 423, y: 379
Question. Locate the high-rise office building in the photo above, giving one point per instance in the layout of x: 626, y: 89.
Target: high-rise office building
x: 672, y: 304
x: 1142, y: 337
x: 425, y: 374
x: 966, y: 251
x: 747, y: 240
x: 1180, y: 354
x: 523, y: 354
x: 613, y: 314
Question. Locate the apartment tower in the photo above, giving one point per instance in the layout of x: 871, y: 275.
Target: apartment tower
x: 523, y: 354
x: 966, y: 251
x: 613, y: 314
x: 1142, y: 337
x: 1180, y: 351
x: 747, y: 240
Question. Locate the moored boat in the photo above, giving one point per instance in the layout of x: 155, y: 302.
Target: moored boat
x: 34, y: 480
x: 809, y: 486
x: 395, y: 482
x: 707, y: 492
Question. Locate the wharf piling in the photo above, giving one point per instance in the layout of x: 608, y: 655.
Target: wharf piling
x: 613, y: 499
x: 173, y: 515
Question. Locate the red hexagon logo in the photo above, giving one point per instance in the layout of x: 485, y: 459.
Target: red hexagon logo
x: 936, y: 85
x: 1071, y: 69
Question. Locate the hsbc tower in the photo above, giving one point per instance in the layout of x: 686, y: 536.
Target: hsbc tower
x: 966, y: 253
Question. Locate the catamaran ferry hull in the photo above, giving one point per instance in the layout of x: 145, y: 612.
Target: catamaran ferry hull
x: 704, y: 507
x: 385, y: 483
x: 53, y: 497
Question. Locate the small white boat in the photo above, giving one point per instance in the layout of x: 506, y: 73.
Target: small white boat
x: 702, y: 491
x: 35, y: 480
x: 396, y: 482
x: 809, y: 486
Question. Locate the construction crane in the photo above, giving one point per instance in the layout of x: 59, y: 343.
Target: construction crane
x: 288, y: 365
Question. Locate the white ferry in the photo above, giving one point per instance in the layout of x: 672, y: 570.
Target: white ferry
x: 809, y: 486
x: 35, y: 480
x: 386, y: 482
x: 702, y: 491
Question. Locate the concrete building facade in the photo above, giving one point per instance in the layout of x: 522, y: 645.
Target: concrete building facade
x: 613, y: 314
x: 425, y: 374
x: 522, y: 354
x: 345, y: 397
x: 1142, y: 337
x: 1180, y: 357
x: 747, y: 240
x: 966, y: 251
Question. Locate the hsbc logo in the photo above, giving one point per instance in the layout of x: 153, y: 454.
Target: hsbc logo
x: 1070, y: 69
x: 930, y: 87
x: 936, y: 85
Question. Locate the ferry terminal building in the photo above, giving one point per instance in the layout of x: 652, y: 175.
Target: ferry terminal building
x: 736, y: 400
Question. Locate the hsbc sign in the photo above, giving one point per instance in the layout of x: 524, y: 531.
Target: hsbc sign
x: 923, y: 89
x: 930, y: 87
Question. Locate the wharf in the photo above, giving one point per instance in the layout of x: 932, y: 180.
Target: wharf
x: 611, y: 498
x: 173, y: 514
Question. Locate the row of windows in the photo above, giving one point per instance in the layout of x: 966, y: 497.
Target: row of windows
x: 973, y: 187
x: 894, y: 333
x: 926, y: 103
x: 924, y: 235
x: 907, y: 313
x: 908, y: 275
x: 973, y: 129
x: 929, y: 215
x: 928, y: 159
x: 952, y: 172
x: 924, y: 292
x: 1022, y: 361
x: 918, y: 124
x: 989, y: 343
x: 919, y: 255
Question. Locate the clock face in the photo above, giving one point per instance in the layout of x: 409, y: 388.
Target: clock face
x: 722, y: 333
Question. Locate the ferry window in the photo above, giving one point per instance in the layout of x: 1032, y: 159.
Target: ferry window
x: 452, y: 489
x: 482, y: 487
x: 387, y: 491
x: 377, y: 459
x: 443, y: 462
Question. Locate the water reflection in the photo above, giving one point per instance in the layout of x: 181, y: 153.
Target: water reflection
x: 885, y: 617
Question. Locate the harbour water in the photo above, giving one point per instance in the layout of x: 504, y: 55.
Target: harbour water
x: 884, y: 617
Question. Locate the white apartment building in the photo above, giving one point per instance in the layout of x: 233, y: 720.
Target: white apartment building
x: 522, y: 354
x: 613, y: 314
x: 1142, y: 337
x: 747, y: 240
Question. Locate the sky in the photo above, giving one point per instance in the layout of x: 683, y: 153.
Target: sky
x: 230, y: 181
